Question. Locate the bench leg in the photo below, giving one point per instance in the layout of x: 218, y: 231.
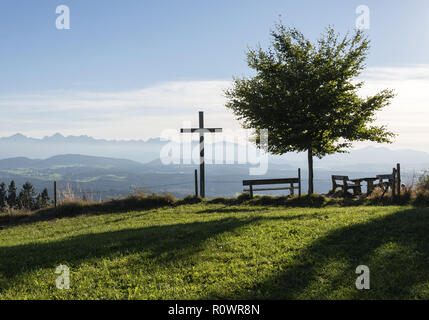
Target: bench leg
x: 251, y: 191
x: 370, y: 187
x: 357, y: 191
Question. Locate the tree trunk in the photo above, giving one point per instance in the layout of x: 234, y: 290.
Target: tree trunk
x: 310, y: 172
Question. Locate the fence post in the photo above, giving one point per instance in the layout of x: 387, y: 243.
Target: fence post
x: 55, y: 194
x: 393, y: 184
x: 299, y: 182
x: 398, y: 172
x: 196, y: 182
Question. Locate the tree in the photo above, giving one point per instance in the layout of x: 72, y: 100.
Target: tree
x: 26, y: 197
x: 42, y: 200
x: 3, y: 195
x: 306, y: 96
x: 11, y: 194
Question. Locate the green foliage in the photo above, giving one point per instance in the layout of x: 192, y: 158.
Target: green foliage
x: 11, y: 195
x: 306, y: 96
x: 42, y: 199
x: 3, y: 195
x: 422, y: 190
x: 191, y: 200
x: 214, y: 251
x: 422, y: 198
x: 26, y: 197
x: 423, y: 182
x: 243, y: 197
x: 139, y: 201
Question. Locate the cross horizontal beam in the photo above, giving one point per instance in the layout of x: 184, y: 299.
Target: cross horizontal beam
x: 200, y: 130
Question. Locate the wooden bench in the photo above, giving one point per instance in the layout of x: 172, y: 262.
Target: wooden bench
x: 386, y: 181
x: 294, y: 184
x: 346, y: 184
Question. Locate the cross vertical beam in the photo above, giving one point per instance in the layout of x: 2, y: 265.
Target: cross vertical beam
x: 201, y: 130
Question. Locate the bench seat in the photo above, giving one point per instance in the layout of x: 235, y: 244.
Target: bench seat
x: 294, y: 184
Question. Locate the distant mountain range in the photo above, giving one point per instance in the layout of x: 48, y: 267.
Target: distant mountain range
x: 142, y: 151
x: 103, y: 168
x: 69, y: 160
x: 19, y: 145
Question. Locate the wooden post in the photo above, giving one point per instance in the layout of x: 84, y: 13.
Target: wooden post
x: 202, y: 171
x: 55, y: 194
x: 393, y: 184
x: 196, y: 182
x: 344, y: 186
x: 398, y: 172
x: 251, y: 191
x: 299, y: 183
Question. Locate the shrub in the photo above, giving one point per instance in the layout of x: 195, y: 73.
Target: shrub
x: 422, y: 190
x: 243, y: 197
x: 423, y: 182
x: 314, y: 200
x: 422, y: 198
x: 221, y: 200
x: 140, y: 201
x: 190, y: 200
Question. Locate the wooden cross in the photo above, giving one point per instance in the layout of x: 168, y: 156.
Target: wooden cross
x: 201, y: 131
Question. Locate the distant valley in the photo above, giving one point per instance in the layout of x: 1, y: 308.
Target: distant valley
x: 100, y: 169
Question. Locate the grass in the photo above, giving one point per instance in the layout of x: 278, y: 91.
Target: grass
x: 214, y: 250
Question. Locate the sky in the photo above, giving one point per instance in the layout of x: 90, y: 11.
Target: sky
x: 132, y: 69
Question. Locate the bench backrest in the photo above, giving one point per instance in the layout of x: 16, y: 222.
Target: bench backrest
x: 385, y: 177
x: 269, y: 181
x: 343, y: 179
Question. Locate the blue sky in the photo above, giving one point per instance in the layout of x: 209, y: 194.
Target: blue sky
x: 123, y: 64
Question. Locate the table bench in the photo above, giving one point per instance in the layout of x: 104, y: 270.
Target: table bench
x: 294, y: 184
x: 370, y: 186
x: 346, y: 184
x: 387, y: 181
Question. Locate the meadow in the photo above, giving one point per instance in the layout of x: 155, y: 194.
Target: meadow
x: 219, y: 251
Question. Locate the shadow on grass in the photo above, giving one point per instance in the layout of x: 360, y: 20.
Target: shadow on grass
x: 395, y: 248
x: 160, y: 244
x: 227, y: 209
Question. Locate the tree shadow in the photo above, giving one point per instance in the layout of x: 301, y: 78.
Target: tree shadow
x: 395, y: 248
x: 228, y: 209
x: 162, y: 245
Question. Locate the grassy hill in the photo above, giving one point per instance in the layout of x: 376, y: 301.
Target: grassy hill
x: 205, y: 251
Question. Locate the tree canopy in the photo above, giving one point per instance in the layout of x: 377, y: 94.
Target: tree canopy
x: 306, y: 94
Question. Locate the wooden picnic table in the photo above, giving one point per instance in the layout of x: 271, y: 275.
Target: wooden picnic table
x: 369, y: 183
